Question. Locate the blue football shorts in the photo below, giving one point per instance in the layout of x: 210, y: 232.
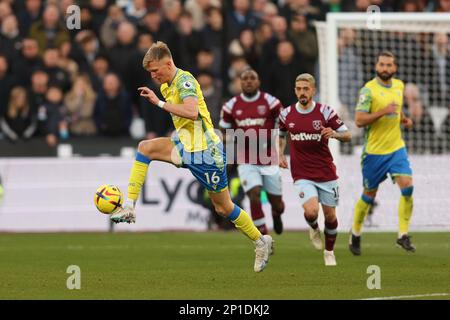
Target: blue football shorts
x: 326, y: 192
x: 268, y: 177
x: 375, y: 168
x: 207, y: 166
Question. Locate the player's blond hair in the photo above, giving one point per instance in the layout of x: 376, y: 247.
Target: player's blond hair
x: 157, y: 51
x: 306, y: 77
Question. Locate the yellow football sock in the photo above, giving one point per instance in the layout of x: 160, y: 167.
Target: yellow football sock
x: 137, y: 176
x: 243, y: 222
x: 405, y: 208
x: 362, y: 208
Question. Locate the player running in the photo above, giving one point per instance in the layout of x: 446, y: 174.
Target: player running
x: 195, y: 146
x: 309, y: 125
x: 379, y: 110
x: 254, y: 114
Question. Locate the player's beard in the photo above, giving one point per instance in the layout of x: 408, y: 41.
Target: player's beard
x: 250, y: 94
x: 385, y: 76
x: 304, y: 100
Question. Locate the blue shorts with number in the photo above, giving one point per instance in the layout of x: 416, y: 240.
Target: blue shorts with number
x: 207, y: 166
x: 326, y: 192
x: 375, y: 168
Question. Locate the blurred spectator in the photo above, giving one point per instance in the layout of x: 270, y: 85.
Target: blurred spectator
x: 358, y: 5
x: 113, y: 111
x: 350, y: 71
x: 269, y: 11
x: 411, y: 6
x: 213, y: 36
x: 99, y: 12
x: 39, y: 86
x: 198, y: 9
x: 443, y: 6
x: 170, y: 12
x: 158, y: 122
x: 139, y: 76
x: 10, y: 39
x: 282, y: 73
x: 49, y: 31
x: 389, y: 5
x: 238, y: 64
x: 305, y: 41
x: 108, y: 31
x: 311, y: 9
x: 441, y: 70
x: 212, y: 92
x: 151, y: 23
x: 65, y: 62
x: 239, y: 17
x: 80, y: 102
x: 245, y: 46
x: 212, y: 32
x: 18, y: 122
x: 262, y: 35
x: 31, y: 14
x: 7, y: 81
x: 207, y: 62
x: 5, y: 10
x: 189, y: 42
x: 269, y: 49
x: 136, y: 10
x: 421, y: 138
x: 86, y: 19
x: 51, y: 117
x: 258, y: 8
x: 408, y: 68
x: 100, y: 69
x: 63, y: 5
x: 86, y: 48
x: 28, y: 61
x: 57, y: 75
x: 121, y: 53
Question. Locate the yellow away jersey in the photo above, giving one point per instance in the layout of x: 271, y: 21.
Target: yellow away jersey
x: 383, y: 136
x: 194, y: 135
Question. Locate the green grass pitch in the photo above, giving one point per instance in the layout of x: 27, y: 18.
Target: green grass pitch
x: 216, y: 265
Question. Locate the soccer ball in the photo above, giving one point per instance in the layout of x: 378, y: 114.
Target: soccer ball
x: 108, y: 198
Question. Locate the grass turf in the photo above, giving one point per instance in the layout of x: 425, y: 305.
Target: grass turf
x: 216, y: 265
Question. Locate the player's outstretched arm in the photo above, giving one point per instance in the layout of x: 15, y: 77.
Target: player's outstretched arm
x: 188, y: 109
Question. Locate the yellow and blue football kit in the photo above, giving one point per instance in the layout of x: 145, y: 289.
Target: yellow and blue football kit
x: 200, y: 149
x: 384, y: 150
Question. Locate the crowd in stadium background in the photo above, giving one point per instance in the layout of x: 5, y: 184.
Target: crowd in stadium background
x: 57, y: 83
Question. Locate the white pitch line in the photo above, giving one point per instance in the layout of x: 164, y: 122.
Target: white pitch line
x: 412, y: 296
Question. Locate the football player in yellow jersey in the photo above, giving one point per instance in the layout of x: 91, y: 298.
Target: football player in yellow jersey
x: 195, y: 146
x: 379, y: 111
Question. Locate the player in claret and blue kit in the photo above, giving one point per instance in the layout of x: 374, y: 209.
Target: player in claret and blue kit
x: 252, y: 117
x: 309, y: 125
